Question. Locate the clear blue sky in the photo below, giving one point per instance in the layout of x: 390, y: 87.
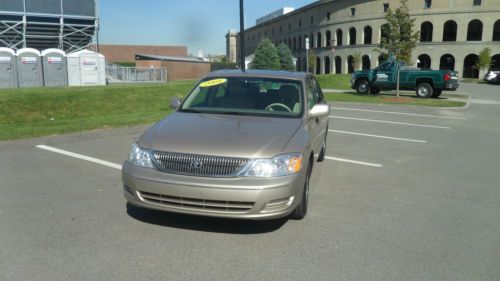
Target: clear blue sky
x: 197, y: 24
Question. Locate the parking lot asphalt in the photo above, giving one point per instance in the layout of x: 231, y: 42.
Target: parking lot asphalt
x: 408, y: 193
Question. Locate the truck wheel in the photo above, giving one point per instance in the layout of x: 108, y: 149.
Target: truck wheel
x: 374, y: 91
x: 424, y: 90
x: 437, y: 93
x: 362, y: 87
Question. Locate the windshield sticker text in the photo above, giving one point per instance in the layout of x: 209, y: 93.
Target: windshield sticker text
x: 213, y: 82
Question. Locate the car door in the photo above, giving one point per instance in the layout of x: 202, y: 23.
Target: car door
x: 384, y: 78
x: 315, y: 123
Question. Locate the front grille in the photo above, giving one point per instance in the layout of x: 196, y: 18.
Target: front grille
x: 196, y: 204
x: 199, y: 165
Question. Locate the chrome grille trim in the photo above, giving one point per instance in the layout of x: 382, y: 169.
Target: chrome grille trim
x: 196, y: 204
x: 212, y: 166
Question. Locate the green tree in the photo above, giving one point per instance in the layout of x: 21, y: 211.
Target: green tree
x: 312, y: 61
x: 266, y: 56
x: 484, y: 60
x: 286, y: 59
x: 398, y: 37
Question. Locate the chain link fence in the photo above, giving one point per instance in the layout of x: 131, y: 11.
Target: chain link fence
x: 120, y: 74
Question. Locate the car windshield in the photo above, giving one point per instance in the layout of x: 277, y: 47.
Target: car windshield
x: 246, y: 96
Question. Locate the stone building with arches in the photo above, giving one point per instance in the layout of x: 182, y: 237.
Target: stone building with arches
x: 452, y: 33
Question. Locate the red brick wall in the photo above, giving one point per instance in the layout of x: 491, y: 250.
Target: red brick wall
x: 177, y: 70
x: 121, y: 53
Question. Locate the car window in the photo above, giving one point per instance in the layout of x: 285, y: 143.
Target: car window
x: 246, y: 96
x: 311, y: 93
x: 388, y: 66
x: 317, y: 91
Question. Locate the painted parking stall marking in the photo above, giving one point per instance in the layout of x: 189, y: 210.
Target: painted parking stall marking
x: 80, y: 156
x: 389, y: 122
x: 397, y: 113
x: 354, y: 162
x: 376, y: 136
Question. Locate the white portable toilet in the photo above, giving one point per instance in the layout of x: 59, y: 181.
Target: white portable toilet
x: 86, y: 68
x: 29, y: 68
x: 8, y: 68
x: 55, y: 71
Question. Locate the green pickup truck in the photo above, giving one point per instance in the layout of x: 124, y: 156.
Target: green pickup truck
x: 425, y: 82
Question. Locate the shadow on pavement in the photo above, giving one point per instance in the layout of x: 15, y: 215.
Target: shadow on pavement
x: 207, y: 224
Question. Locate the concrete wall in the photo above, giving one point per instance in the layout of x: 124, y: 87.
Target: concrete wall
x: 178, y: 70
x: 314, y: 19
x: 122, y: 53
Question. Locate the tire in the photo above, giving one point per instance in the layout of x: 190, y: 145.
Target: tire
x: 300, y: 211
x: 322, y: 153
x: 362, y: 87
x: 437, y: 93
x: 424, y: 90
x: 374, y: 91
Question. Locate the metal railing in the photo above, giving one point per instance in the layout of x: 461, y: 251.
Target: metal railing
x: 120, y: 74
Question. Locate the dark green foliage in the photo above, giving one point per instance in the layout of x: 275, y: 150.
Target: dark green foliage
x: 484, y: 60
x: 286, y: 59
x: 266, y: 56
x: 398, y: 35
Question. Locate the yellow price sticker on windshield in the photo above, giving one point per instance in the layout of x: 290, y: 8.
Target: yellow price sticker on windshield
x: 213, y: 82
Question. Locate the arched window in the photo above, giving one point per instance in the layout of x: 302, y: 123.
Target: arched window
x: 495, y: 62
x: 327, y: 65
x: 299, y: 43
x: 318, y: 65
x: 350, y: 64
x: 496, y: 31
x: 424, y: 61
x: 311, y: 41
x: 338, y: 65
x: 450, y: 31
x: 470, y: 69
x: 475, y: 31
x: 367, y: 35
x: 294, y: 43
x: 318, y: 40
x: 289, y: 43
x: 352, y: 36
x: 426, y: 32
x: 382, y: 58
x: 339, y: 35
x: 297, y: 64
x: 328, y: 38
x: 366, y: 62
x: 447, y: 62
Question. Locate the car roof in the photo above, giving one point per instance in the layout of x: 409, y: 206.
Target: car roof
x: 259, y: 74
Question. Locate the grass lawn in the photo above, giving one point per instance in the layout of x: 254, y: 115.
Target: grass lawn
x: 45, y: 111
x: 392, y: 99
x: 334, y: 81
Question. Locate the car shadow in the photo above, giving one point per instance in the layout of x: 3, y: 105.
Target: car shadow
x: 206, y: 224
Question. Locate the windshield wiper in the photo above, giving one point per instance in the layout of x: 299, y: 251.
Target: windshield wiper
x: 190, y: 110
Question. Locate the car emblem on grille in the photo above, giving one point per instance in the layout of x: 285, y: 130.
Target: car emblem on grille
x: 196, y: 164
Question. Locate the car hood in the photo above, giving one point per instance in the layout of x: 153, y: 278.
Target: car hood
x: 223, y: 135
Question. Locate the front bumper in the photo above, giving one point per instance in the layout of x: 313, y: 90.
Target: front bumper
x: 242, y: 198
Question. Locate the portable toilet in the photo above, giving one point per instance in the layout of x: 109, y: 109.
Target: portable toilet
x: 86, y: 68
x: 8, y: 68
x: 29, y: 68
x: 55, y: 71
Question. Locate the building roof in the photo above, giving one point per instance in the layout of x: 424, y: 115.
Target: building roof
x: 168, y: 58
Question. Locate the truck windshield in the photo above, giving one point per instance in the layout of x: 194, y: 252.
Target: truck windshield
x: 246, y: 96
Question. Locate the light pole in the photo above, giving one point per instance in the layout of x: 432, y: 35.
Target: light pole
x: 242, y: 37
x: 307, y: 54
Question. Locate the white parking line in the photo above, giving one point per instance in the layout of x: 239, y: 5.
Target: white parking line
x: 376, y: 136
x: 389, y: 122
x: 354, y: 162
x: 80, y: 156
x: 399, y: 113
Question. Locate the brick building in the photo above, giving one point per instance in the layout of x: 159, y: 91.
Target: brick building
x: 178, y: 68
x: 126, y: 53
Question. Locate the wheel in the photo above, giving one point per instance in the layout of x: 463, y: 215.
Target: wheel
x: 374, y: 91
x: 300, y: 211
x: 437, y: 93
x: 362, y: 87
x: 424, y: 90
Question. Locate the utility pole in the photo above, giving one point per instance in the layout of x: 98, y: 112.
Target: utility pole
x: 242, y: 37
x: 307, y: 54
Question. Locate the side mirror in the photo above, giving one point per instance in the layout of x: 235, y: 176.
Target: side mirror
x: 175, y: 102
x: 319, y: 110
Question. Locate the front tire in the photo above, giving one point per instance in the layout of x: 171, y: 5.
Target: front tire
x: 362, y: 87
x: 424, y: 90
x: 300, y: 211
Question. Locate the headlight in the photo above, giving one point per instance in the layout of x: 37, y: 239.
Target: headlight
x: 278, y: 166
x: 140, y: 157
